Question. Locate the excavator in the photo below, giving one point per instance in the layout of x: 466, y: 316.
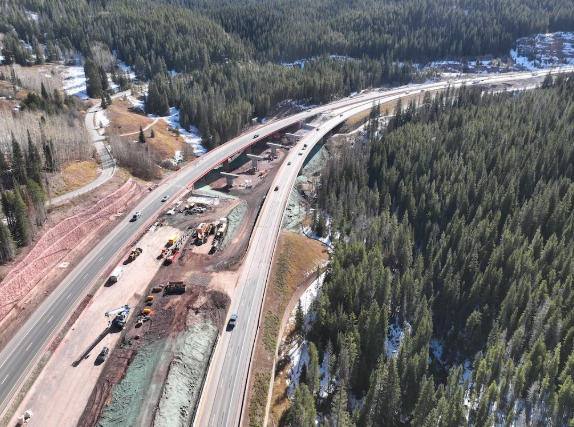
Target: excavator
x: 121, y: 316
x: 136, y: 252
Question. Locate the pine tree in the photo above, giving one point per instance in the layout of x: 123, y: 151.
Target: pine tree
x: 21, y: 223
x: 18, y: 161
x: 313, y: 369
x: 57, y: 99
x: 93, y: 79
x: 7, y: 251
x: 299, y: 319
x: 37, y: 198
x: 44, y: 92
x: 33, y: 162
x: 302, y: 412
x: 339, y: 415
x: 141, y: 137
x: 152, y: 134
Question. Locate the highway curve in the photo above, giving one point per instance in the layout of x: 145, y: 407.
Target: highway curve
x: 223, y: 398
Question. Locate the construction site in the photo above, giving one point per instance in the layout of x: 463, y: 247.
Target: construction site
x: 139, y: 351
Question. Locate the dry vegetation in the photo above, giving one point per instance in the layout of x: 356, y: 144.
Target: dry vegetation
x: 66, y: 130
x: 293, y: 268
x: 32, y: 77
x: 72, y: 177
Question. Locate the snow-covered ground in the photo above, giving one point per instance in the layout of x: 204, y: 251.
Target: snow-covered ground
x: 102, y: 120
x: 74, y: 81
x: 394, y: 338
x: 301, y: 62
x: 544, y: 51
x: 192, y: 137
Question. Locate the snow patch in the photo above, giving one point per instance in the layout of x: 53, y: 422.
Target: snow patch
x: 191, y: 137
x: 75, y: 81
x: 394, y: 337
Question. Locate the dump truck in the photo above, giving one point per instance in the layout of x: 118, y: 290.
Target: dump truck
x: 136, y: 252
x: 203, y: 231
x: 172, y: 240
x: 116, y: 274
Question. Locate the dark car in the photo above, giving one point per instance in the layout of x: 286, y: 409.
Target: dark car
x: 136, y: 216
x: 102, y: 356
x: 232, y: 321
x: 256, y: 136
x: 276, y: 188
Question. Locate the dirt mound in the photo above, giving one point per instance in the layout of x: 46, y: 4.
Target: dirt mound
x: 187, y: 372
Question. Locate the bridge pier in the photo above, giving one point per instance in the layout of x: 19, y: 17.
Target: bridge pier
x: 254, y: 160
x: 226, y: 165
x: 229, y: 178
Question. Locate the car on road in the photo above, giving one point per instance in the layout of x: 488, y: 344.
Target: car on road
x: 288, y: 163
x: 232, y: 321
x: 341, y: 115
x: 256, y: 136
x: 276, y: 188
x: 102, y: 356
x: 164, y: 198
x: 300, y: 153
x: 318, y: 129
x: 136, y: 216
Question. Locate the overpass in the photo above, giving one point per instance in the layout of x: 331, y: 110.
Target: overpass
x: 20, y: 354
x: 223, y: 400
x: 24, y: 349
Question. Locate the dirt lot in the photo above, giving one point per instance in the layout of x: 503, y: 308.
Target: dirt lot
x: 62, y: 390
x: 164, y: 360
x: 294, y: 266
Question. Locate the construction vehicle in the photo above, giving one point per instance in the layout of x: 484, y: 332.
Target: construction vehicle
x: 172, y: 240
x: 116, y: 274
x: 25, y: 418
x: 203, y: 231
x: 121, y: 316
x: 174, y: 288
x: 136, y: 252
x: 170, y: 259
x: 164, y: 252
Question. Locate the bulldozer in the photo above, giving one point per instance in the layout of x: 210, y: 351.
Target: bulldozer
x: 136, y: 252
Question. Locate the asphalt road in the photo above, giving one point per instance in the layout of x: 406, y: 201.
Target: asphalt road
x: 224, y: 393
x: 26, y: 346
x: 108, y: 164
x: 23, y: 350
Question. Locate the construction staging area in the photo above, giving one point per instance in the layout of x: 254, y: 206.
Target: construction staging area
x: 159, y: 312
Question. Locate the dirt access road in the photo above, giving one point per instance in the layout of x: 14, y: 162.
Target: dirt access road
x: 61, y: 392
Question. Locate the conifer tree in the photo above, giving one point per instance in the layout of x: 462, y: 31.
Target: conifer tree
x: 141, y: 137
x: 18, y: 161
x: 7, y: 251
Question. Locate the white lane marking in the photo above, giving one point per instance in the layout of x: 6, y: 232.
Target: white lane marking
x: 69, y: 295
x: 5, y: 378
x: 50, y: 319
x: 30, y: 345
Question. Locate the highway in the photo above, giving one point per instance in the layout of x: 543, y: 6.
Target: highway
x: 27, y: 345
x: 224, y: 393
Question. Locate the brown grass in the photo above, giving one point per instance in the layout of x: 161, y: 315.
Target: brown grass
x: 124, y: 120
x: 73, y: 176
x: 297, y: 259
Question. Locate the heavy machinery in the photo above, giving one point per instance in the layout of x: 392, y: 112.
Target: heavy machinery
x: 220, y: 233
x: 136, y: 252
x: 121, y: 316
x: 203, y: 231
x: 174, y: 288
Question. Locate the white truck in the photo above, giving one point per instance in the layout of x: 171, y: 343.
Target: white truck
x: 116, y: 274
